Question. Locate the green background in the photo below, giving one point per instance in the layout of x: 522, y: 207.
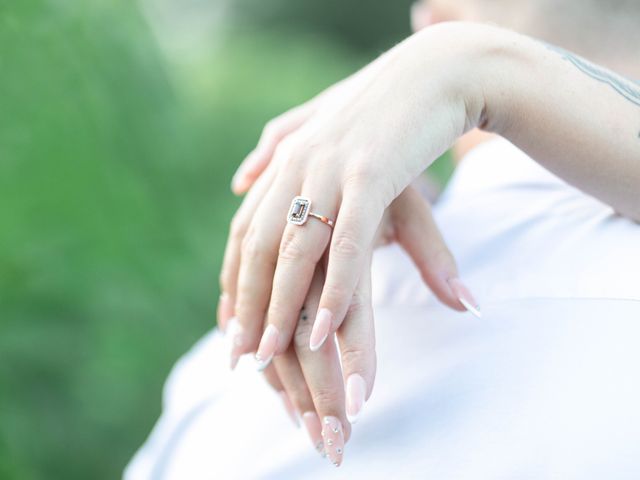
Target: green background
x: 121, y: 124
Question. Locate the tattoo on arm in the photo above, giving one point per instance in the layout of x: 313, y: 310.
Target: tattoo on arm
x: 625, y: 87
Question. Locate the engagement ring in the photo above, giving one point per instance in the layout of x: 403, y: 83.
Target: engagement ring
x: 300, y: 211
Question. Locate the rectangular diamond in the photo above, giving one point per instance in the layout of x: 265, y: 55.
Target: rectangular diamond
x: 299, y: 211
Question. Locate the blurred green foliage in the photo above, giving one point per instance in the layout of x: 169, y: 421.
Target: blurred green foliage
x: 115, y: 159
x: 366, y: 25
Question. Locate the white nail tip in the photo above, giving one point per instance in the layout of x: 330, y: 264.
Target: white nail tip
x: 315, y: 348
x: 353, y: 418
x: 473, y: 309
x: 261, y: 365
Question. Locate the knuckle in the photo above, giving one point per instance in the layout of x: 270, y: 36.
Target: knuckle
x: 345, y: 245
x: 357, y: 356
x: 360, y: 174
x: 253, y: 247
x: 271, y: 128
x: 299, y: 397
x: 285, y: 150
x: 360, y: 305
x: 291, y: 248
x: 326, y: 398
x: 291, y: 153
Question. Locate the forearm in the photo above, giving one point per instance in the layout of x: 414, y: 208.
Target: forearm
x: 578, y: 120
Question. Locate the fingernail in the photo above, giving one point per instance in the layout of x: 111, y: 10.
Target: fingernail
x: 267, y: 347
x: 238, y: 180
x: 225, y: 311
x: 320, y: 330
x: 463, y: 294
x: 291, y: 410
x: 356, y: 391
x: 333, y: 439
x: 236, y: 337
x: 314, y: 429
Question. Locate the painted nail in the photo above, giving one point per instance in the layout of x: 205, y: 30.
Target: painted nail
x: 333, y: 439
x: 225, y: 311
x: 320, y: 330
x: 238, y: 182
x: 291, y: 410
x: 463, y: 294
x: 314, y: 429
x: 267, y: 347
x: 235, y: 334
x: 355, y: 392
x: 238, y: 178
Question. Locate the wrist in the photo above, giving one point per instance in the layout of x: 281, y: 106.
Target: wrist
x: 500, y: 69
x: 482, y: 67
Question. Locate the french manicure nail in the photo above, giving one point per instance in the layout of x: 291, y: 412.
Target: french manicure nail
x: 333, y: 439
x: 314, y: 429
x: 291, y: 410
x: 463, y: 294
x: 320, y: 330
x: 355, y: 394
x: 267, y: 347
x: 235, y: 335
x: 239, y: 175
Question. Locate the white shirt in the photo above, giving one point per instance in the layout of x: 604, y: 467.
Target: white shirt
x: 545, y: 385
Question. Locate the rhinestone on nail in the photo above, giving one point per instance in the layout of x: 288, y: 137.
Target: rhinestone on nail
x: 339, y: 451
x: 329, y: 442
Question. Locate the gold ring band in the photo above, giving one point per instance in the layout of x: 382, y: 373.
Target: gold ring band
x: 300, y: 211
x: 322, y: 218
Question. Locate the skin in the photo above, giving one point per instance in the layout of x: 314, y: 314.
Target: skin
x: 304, y: 379
x: 348, y: 157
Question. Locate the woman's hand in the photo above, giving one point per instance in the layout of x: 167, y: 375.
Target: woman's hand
x: 312, y: 384
x: 351, y: 158
x: 277, y: 129
x: 354, y: 156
